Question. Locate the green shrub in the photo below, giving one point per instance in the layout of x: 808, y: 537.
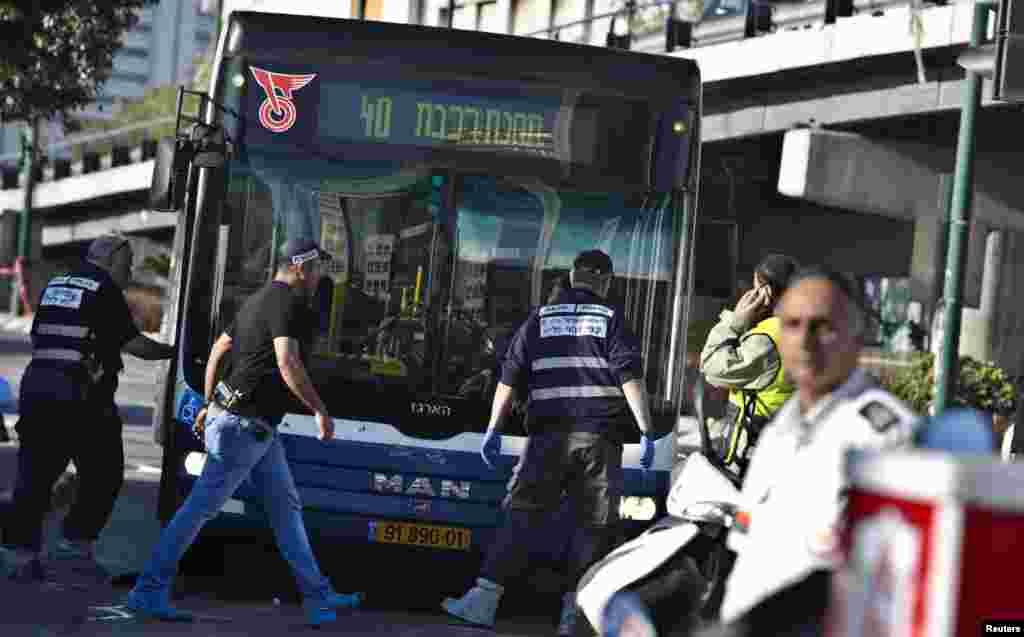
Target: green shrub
x: 979, y: 385
x: 158, y: 264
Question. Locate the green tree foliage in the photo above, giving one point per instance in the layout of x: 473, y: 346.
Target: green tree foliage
x: 979, y: 385
x: 54, y: 54
x: 158, y: 103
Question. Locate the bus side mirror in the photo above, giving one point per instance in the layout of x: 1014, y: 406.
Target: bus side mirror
x: 210, y: 146
x: 170, y: 176
x: 205, y: 147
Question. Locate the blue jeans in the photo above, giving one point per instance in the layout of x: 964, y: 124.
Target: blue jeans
x: 233, y: 453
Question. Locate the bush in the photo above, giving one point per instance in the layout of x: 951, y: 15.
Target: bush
x: 980, y: 385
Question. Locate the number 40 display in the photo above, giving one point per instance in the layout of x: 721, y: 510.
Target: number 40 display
x: 376, y: 113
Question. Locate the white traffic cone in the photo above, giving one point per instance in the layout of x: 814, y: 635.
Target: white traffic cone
x: 479, y: 605
x: 567, y: 621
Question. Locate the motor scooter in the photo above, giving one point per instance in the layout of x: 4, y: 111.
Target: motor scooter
x: 676, y: 568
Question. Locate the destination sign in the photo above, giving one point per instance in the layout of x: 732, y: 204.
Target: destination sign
x: 421, y: 115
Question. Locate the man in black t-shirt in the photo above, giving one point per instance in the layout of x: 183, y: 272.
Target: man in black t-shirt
x: 269, y: 344
x: 67, y: 410
x: 275, y: 312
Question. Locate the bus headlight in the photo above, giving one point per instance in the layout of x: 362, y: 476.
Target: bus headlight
x: 637, y: 508
x: 194, y: 463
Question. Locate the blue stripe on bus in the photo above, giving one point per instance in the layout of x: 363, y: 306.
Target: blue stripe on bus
x: 414, y: 461
x: 375, y: 456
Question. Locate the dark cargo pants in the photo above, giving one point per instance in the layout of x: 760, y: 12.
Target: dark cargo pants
x: 585, y: 466
x: 56, y: 425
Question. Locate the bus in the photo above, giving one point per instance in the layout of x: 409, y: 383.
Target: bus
x: 453, y: 175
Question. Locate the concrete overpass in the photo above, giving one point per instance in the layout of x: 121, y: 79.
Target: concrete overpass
x: 106, y: 187
x: 809, y: 124
x: 77, y: 201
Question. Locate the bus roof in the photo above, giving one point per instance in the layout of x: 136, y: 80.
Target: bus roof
x: 319, y: 40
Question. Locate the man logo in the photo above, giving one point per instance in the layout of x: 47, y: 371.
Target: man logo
x: 277, y: 112
x: 421, y: 486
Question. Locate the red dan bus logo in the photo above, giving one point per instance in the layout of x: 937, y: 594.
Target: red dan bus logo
x: 277, y: 112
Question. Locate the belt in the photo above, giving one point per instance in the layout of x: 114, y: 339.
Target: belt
x: 255, y: 426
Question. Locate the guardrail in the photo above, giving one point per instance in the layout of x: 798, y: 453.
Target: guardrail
x: 90, y: 152
x: 772, y: 16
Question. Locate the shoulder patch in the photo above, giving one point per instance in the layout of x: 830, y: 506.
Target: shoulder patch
x: 879, y: 415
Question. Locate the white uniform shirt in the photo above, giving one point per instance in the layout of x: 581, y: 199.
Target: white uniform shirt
x: 792, y: 492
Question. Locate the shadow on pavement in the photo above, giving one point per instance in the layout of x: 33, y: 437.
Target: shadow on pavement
x: 242, y: 583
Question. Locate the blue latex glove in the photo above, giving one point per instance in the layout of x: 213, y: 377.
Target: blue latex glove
x: 491, y: 448
x: 646, y: 452
x: 956, y: 430
x: 625, y: 614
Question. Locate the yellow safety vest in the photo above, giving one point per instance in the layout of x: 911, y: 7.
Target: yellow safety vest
x: 770, y: 399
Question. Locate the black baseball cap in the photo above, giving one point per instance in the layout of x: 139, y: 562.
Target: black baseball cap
x: 105, y: 246
x: 593, y: 261
x: 299, y: 251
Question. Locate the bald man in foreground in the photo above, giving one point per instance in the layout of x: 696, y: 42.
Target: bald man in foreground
x: 793, y: 497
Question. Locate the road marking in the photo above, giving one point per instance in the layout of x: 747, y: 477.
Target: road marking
x: 145, y: 468
x: 110, y: 613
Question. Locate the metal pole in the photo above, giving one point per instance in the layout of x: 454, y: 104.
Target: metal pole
x: 451, y: 13
x: 28, y: 168
x: 946, y: 368
x: 991, y: 279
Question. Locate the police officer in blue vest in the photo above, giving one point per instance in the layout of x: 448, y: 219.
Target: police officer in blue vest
x: 67, y: 411
x: 582, y: 369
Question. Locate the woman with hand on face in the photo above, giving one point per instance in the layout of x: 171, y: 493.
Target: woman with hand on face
x: 741, y: 354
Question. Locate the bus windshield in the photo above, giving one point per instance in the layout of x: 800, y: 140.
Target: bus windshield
x: 434, y: 270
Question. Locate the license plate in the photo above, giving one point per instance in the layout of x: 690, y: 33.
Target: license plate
x: 438, y: 537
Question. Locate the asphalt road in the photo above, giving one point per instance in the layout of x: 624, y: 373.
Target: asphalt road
x: 35, y: 611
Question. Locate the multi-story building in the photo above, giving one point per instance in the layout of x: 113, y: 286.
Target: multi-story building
x: 378, y: 265
x: 580, y: 21
x: 161, y: 49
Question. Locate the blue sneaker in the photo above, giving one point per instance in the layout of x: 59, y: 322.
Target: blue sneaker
x: 321, y: 611
x: 155, y: 606
x: 318, y: 612
x: 342, y: 600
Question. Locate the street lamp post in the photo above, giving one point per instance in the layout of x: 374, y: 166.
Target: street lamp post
x: 29, y: 146
x: 946, y: 369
